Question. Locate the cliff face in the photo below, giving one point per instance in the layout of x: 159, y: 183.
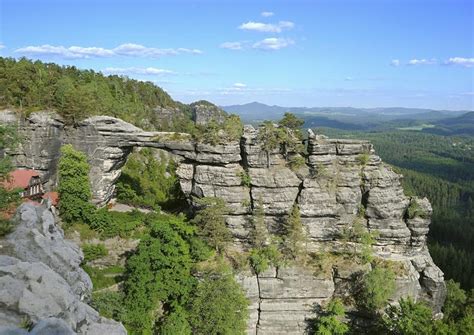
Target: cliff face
x: 42, y: 282
x: 338, y: 179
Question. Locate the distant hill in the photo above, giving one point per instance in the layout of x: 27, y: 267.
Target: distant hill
x: 347, y: 118
x: 256, y: 111
x: 461, y: 125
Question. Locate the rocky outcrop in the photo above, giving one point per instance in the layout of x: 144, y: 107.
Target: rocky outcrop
x: 204, y: 112
x: 42, y: 283
x: 341, y: 182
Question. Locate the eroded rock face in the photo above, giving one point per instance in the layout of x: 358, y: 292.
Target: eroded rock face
x: 342, y: 181
x: 204, y: 112
x: 41, y: 280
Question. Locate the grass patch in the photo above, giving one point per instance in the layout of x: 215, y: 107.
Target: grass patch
x: 85, y: 232
x: 398, y: 268
x: 106, y: 277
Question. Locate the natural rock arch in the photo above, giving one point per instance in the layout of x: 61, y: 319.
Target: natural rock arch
x: 339, y: 176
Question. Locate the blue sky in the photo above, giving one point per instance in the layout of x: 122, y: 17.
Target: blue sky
x: 291, y: 53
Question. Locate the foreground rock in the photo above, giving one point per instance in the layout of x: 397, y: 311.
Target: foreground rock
x: 42, y: 283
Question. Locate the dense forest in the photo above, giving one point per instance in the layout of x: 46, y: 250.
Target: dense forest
x: 76, y: 94
x: 442, y: 169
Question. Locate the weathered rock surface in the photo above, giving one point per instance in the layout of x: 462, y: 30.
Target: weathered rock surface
x: 341, y: 181
x: 41, y: 281
x: 204, y: 112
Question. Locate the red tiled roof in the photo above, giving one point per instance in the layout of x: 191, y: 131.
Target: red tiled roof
x: 53, y: 196
x: 19, y: 179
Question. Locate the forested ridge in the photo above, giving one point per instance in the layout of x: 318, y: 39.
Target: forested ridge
x: 76, y: 94
x: 442, y: 169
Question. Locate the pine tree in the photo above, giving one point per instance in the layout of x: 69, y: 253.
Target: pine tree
x: 211, y: 221
x: 295, y: 237
x: 259, y: 232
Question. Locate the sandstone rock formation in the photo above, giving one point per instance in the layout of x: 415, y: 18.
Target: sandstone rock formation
x: 340, y: 180
x: 42, y: 283
x: 203, y: 112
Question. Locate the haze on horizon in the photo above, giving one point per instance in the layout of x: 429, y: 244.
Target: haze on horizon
x: 363, y: 53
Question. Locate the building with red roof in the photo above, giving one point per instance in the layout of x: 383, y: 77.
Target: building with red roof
x: 27, y: 181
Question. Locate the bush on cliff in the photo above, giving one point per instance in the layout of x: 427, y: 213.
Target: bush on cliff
x: 376, y: 287
x: 330, y: 322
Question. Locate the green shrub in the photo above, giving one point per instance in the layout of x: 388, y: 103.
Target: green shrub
x: 258, y: 260
x: 120, y: 224
x: 330, y: 321
x: 363, y: 159
x: 159, y: 271
x: 74, y: 188
x: 245, y: 179
x: 94, y: 251
x: 262, y: 258
x: 219, y: 306
x: 175, y: 322
x: 414, y: 210
x: 109, y: 304
x: 410, y: 318
x: 376, y: 287
x: 296, y: 162
x: 6, y: 227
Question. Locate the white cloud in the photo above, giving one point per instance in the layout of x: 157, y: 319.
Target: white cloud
x: 267, y: 27
x: 71, y: 52
x: 466, y: 62
x: 127, y: 49
x: 232, y: 45
x: 273, y: 43
x: 395, y: 62
x: 421, y: 61
x: 2, y: 46
x: 267, y: 14
x: 239, y: 85
x: 150, y: 71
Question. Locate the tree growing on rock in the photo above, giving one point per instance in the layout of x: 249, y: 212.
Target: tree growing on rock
x: 74, y: 188
x: 270, y: 138
x: 211, y: 222
x: 330, y: 322
x: 259, y: 233
x: 294, y: 239
x: 376, y: 287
